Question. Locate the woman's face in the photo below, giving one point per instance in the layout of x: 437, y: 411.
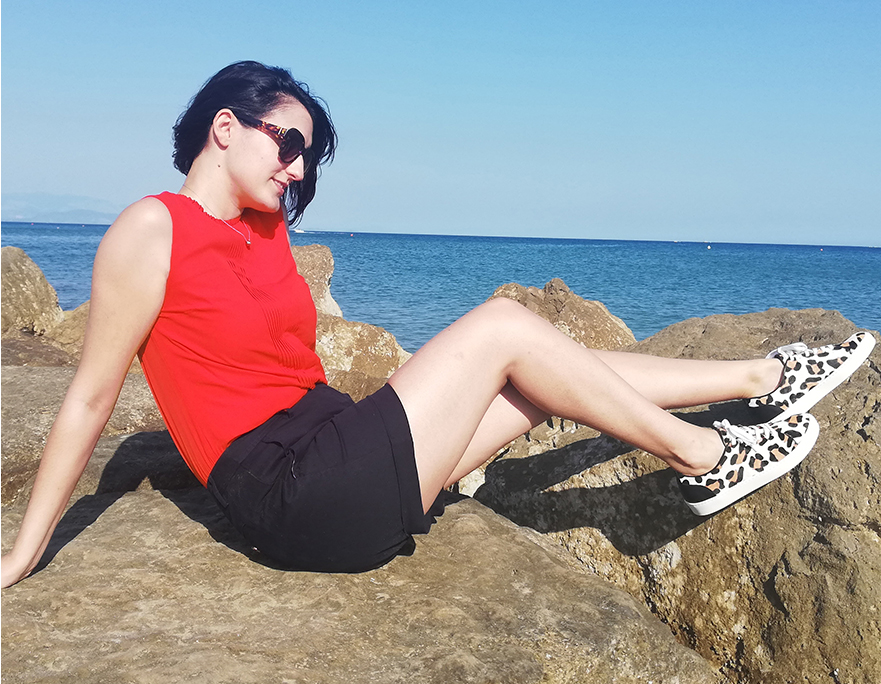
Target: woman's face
x: 259, y: 177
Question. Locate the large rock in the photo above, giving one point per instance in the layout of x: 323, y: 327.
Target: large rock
x: 154, y: 586
x: 354, y: 383
x: 356, y: 355
x: 785, y: 585
x: 29, y: 301
x: 358, y: 358
x: 587, y: 322
x: 133, y: 462
x: 31, y: 399
x: 315, y: 264
x: 68, y: 334
x: 26, y: 349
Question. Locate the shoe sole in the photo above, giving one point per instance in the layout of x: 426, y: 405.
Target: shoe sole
x: 773, y: 471
x: 830, y: 382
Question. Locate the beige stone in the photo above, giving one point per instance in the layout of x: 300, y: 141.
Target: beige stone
x: 354, y: 383
x: 357, y: 357
x: 68, y: 334
x: 315, y: 264
x: 26, y: 349
x: 31, y: 399
x: 29, y: 301
x: 587, y: 322
x: 783, y: 586
x: 154, y: 586
x: 352, y: 346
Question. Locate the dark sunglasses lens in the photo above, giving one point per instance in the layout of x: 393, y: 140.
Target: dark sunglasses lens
x: 292, y: 146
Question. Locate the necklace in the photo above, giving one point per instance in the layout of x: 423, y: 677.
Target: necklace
x: 213, y: 215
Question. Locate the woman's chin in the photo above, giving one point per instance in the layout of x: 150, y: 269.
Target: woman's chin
x: 268, y: 205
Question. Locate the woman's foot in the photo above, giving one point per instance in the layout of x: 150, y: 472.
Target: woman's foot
x: 753, y: 456
x: 810, y: 374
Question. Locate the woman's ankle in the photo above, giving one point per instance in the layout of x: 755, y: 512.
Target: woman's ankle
x: 766, y: 377
x: 700, y: 456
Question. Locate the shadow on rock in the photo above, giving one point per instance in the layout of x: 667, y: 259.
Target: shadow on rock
x: 146, y: 460
x: 637, y: 508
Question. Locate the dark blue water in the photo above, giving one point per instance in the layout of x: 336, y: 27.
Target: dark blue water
x: 414, y: 285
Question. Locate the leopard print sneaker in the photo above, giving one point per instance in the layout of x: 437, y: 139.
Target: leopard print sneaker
x: 753, y: 456
x: 810, y: 374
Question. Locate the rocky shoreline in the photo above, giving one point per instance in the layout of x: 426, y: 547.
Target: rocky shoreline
x: 574, y: 560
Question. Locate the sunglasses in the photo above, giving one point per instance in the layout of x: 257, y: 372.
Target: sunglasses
x: 291, y: 143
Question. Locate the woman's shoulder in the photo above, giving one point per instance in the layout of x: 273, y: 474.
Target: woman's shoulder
x: 144, y: 227
x: 150, y: 210
x: 148, y: 215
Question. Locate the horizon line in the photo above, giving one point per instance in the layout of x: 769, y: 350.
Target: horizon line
x: 503, y: 237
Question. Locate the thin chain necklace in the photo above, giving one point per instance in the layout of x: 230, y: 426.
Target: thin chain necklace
x: 213, y: 215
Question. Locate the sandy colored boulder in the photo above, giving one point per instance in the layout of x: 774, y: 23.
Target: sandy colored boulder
x: 26, y: 349
x: 30, y: 303
x: 357, y: 357
x: 587, y: 322
x: 352, y: 346
x: 354, y: 383
x: 31, y: 399
x: 315, y: 264
x: 68, y: 334
x: 154, y: 586
x: 785, y: 585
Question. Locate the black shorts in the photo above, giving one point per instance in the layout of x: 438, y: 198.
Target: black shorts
x: 327, y: 485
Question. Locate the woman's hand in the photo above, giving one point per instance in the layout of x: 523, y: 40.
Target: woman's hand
x: 128, y: 287
x: 12, y: 570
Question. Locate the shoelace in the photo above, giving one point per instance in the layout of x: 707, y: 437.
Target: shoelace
x: 750, y: 434
x: 793, y: 348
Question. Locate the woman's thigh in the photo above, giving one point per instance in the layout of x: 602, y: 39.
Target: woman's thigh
x: 457, y: 398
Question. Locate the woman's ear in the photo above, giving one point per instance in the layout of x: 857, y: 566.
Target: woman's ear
x: 222, y: 127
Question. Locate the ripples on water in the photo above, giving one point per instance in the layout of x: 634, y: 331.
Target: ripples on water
x: 414, y: 285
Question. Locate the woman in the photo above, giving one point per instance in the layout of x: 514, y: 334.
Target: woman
x: 201, y: 284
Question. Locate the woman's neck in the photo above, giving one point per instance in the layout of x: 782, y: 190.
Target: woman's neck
x: 206, y: 184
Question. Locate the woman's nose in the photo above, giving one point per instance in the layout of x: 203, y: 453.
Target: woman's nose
x: 296, y: 169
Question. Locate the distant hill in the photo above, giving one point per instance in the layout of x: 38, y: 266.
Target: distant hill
x: 45, y: 208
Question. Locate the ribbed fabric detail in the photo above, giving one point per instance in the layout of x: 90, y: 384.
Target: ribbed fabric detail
x: 234, y: 342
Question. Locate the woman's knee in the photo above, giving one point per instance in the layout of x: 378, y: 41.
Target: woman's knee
x: 497, y: 329
x: 502, y: 312
x: 511, y: 321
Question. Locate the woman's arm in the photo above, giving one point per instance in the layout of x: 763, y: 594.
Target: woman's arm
x: 128, y: 287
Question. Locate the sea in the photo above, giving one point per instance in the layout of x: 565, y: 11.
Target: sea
x: 415, y: 285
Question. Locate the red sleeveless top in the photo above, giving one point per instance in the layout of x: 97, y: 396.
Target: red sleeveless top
x: 234, y: 342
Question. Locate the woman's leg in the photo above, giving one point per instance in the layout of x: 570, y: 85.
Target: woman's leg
x: 508, y: 416
x: 677, y: 383
x: 450, y: 391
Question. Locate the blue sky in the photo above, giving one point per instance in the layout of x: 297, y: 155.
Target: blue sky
x: 714, y: 120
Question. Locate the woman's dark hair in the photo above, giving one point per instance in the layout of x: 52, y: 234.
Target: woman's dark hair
x: 254, y: 89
